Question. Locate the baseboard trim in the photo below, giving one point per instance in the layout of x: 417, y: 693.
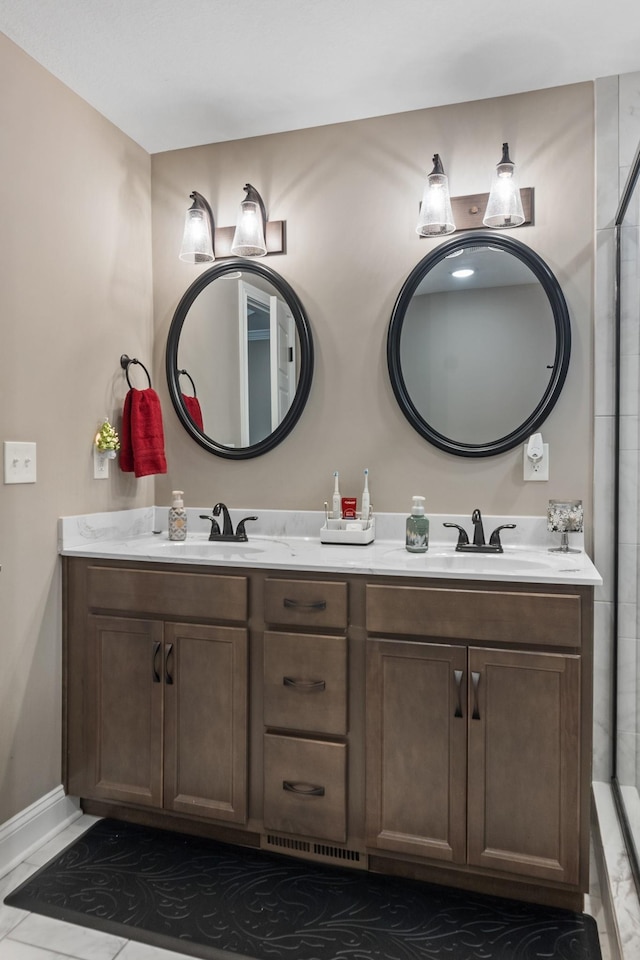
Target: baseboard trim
x: 35, y: 825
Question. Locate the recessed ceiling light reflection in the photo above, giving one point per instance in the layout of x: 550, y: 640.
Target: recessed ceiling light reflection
x: 461, y: 274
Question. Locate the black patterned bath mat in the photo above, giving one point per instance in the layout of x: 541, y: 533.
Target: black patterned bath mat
x: 214, y: 900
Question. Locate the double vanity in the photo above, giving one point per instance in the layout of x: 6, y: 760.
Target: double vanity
x: 424, y: 715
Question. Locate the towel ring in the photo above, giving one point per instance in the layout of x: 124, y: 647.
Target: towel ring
x: 125, y: 363
x: 183, y: 373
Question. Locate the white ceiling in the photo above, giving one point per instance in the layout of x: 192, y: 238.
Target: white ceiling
x: 176, y: 73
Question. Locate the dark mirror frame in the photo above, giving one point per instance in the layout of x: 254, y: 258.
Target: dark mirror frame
x: 306, y: 358
x: 562, y: 354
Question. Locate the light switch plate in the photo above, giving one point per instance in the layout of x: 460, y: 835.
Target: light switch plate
x: 19, y: 462
x: 542, y: 473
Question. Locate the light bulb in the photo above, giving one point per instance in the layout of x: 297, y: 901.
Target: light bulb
x: 504, y: 208
x: 197, y: 239
x: 436, y: 216
x: 248, y: 239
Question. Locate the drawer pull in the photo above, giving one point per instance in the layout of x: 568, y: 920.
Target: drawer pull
x: 296, y: 604
x: 475, y: 680
x: 155, y: 673
x: 302, y: 789
x: 306, y: 686
x: 458, y: 675
x: 168, y: 677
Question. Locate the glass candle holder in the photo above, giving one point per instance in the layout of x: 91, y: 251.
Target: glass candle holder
x: 565, y: 517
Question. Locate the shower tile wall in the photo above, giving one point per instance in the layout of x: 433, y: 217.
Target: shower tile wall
x: 629, y: 613
x: 617, y: 137
x: 617, y: 102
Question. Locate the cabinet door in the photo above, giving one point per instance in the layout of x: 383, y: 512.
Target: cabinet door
x: 205, y: 684
x: 123, y: 710
x: 416, y: 749
x: 524, y: 756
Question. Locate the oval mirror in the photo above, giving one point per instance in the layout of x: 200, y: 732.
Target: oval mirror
x: 478, y: 344
x: 239, y: 359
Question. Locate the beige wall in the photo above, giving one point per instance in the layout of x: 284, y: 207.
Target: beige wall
x: 75, y: 293
x: 349, y: 193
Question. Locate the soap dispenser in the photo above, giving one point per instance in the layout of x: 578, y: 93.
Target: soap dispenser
x: 177, y: 517
x: 417, y: 528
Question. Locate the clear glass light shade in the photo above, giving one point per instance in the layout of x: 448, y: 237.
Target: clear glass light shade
x: 436, y: 215
x: 197, y: 243
x: 248, y: 239
x: 504, y: 209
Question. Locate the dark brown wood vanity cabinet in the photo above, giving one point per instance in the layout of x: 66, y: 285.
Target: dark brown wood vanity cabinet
x: 478, y: 756
x: 157, y: 704
x: 435, y: 729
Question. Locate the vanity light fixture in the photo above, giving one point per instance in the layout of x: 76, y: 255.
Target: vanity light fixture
x: 506, y: 206
x: 504, y: 209
x: 462, y: 274
x: 253, y: 236
x: 249, y: 240
x: 197, y: 239
x: 436, y: 216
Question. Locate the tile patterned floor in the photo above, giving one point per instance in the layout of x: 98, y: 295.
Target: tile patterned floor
x: 28, y: 936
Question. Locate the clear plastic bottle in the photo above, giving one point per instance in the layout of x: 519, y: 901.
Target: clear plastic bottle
x: 417, y: 528
x: 177, y: 517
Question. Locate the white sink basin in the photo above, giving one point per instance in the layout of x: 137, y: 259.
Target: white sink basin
x: 200, y: 547
x: 513, y: 562
x: 208, y: 549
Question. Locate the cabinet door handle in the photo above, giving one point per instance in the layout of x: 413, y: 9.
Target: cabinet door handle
x: 155, y: 673
x: 306, y: 686
x: 168, y: 677
x: 297, y: 604
x: 302, y: 789
x: 475, y: 680
x: 458, y: 675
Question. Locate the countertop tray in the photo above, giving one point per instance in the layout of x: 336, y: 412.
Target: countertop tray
x: 348, y: 531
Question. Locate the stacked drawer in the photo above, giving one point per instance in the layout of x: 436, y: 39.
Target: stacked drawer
x: 305, y: 708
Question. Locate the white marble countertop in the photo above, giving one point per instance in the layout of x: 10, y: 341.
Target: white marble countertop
x: 287, y: 540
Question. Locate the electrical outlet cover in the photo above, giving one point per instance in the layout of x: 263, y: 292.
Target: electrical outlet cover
x: 100, y: 465
x: 542, y: 473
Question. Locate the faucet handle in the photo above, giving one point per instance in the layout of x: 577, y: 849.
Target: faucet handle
x: 241, y: 533
x: 463, y: 536
x: 494, y: 539
x: 215, y: 529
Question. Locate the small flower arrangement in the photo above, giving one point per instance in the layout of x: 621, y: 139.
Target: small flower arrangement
x: 107, y: 439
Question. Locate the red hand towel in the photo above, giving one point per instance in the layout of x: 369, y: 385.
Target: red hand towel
x: 193, y: 409
x: 142, y: 434
x: 147, y: 433
x: 126, y: 448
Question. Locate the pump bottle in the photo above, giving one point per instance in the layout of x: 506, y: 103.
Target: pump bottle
x: 177, y: 517
x: 417, y: 528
